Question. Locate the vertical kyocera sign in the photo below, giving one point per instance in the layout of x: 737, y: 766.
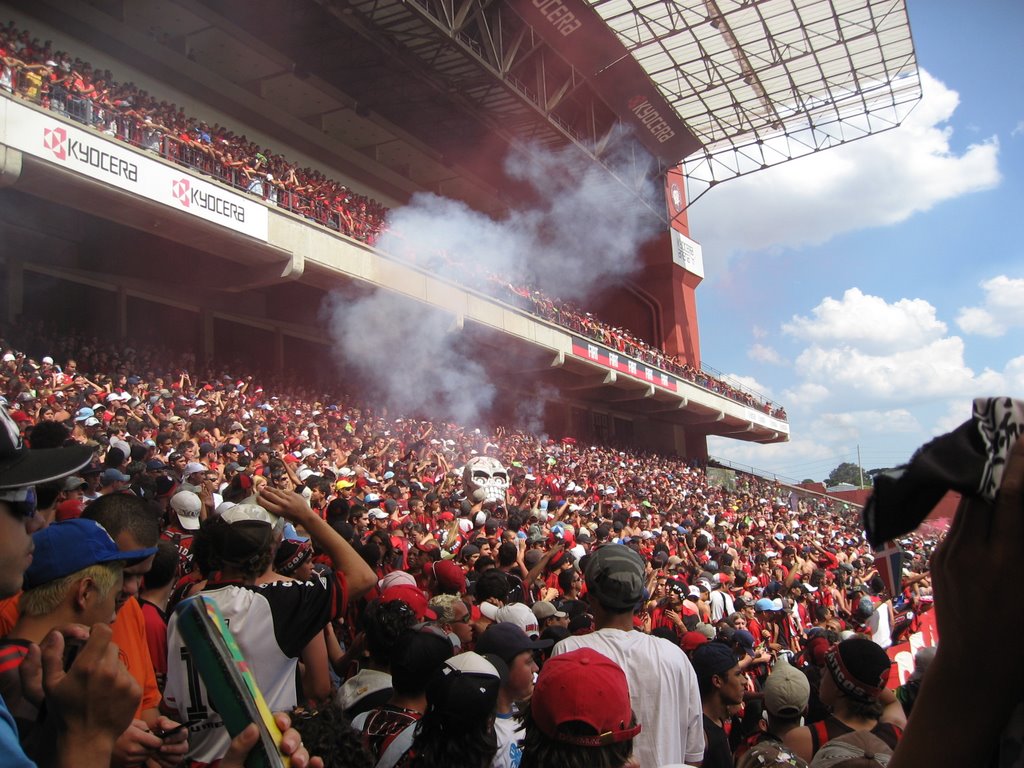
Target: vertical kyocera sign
x: 580, y: 36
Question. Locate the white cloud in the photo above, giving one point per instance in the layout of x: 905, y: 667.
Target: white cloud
x: 800, y: 458
x: 979, y: 322
x: 876, y: 181
x: 854, y: 425
x: 936, y: 370
x: 869, y: 323
x: 957, y: 412
x: 759, y: 332
x: 804, y: 394
x: 762, y: 353
x: 1018, y: 129
x: 1014, y: 375
x: 1002, y: 308
x: 864, y: 351
x: 877, y: 371
x: 749, y: 383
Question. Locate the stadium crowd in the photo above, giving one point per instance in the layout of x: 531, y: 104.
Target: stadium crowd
x: 55, y: 80
x: 416, y: 593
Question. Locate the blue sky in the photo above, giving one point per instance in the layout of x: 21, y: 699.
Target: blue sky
x: 877, y: 288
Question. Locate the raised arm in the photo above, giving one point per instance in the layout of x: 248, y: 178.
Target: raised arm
x: 294, y: 508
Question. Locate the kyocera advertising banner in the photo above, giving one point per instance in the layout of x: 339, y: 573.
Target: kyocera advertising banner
x: 107, y: 160
x: 582, y: 38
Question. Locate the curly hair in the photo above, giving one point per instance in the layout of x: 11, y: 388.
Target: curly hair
x: 384, y: 624
x: 329, y: 735
x: 454, y: 743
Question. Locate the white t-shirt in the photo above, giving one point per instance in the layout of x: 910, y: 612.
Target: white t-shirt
x: 721, y: 605
x: 509, y: 730
x: 662, y: 689
x: 879, y: 626
x: 272, y: 624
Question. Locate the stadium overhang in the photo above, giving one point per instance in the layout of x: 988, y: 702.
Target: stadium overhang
x: 761, y: 82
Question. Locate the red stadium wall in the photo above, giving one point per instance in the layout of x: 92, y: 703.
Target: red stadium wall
x: 669, y: 287
x: 673, y: 292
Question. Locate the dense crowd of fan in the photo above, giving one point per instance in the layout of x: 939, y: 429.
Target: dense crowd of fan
x: 437, y: 593
x: 55, y: 80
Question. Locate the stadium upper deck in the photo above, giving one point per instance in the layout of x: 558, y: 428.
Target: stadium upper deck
x: 379, y: 100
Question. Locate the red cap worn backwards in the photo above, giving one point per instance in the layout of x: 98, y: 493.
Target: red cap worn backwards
x: 413, y: 597
x: 588, y: 687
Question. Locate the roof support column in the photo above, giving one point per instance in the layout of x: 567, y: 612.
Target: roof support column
x: 15, y: 287
x: 206, y: 332
x: 278, y: 350
x: 122, y: 312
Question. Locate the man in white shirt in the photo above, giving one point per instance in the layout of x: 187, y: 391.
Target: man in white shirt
x: 662, y: 684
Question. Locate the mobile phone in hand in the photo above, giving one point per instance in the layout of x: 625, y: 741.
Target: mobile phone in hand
x: 163, y: 733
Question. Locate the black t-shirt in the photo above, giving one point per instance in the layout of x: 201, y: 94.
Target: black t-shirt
x: 716, y: 746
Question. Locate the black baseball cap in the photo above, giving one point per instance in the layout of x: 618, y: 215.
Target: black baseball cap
x: 506, y: 641
x: 21, y: 466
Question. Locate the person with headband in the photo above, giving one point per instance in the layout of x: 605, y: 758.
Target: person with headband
x: 853, y: 686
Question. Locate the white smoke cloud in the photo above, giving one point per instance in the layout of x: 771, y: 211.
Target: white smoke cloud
x: 581, y: 230
x: 410, y: 353
x: 580, y: 234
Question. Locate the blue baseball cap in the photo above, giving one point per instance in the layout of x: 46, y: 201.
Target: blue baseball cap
x: 113, y: 475
x: 62, y: 549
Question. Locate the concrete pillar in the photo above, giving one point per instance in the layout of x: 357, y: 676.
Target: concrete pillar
x: 278, y: 350
x: 122, y: 312
x: 15, y: 288
x: 208, y: 342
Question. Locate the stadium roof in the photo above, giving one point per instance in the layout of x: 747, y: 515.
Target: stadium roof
x: 435, y: 92
x: 760, y: 82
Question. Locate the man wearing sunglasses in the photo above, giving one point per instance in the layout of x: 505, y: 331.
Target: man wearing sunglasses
x: 95, y: 697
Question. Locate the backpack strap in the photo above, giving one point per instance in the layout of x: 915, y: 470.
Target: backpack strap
x: 360, y: 720
x: 819, y: 735
x: 398, y: 746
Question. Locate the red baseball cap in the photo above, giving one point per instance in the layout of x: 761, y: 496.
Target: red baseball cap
x: 411, y: 596
x: 585, y: 686
x: 693, y: 640
x: 449, y: 576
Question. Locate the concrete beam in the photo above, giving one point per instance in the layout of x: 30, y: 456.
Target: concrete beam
x: 10, y: 166
x: 271, y: 274
x: 636, y: 394
x: 698, y: 419
x: 593, y: 382
x: 681, y: 405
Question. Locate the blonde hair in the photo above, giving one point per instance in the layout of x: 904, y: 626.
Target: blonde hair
x: 46, y: 598
x: 444, y: 607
